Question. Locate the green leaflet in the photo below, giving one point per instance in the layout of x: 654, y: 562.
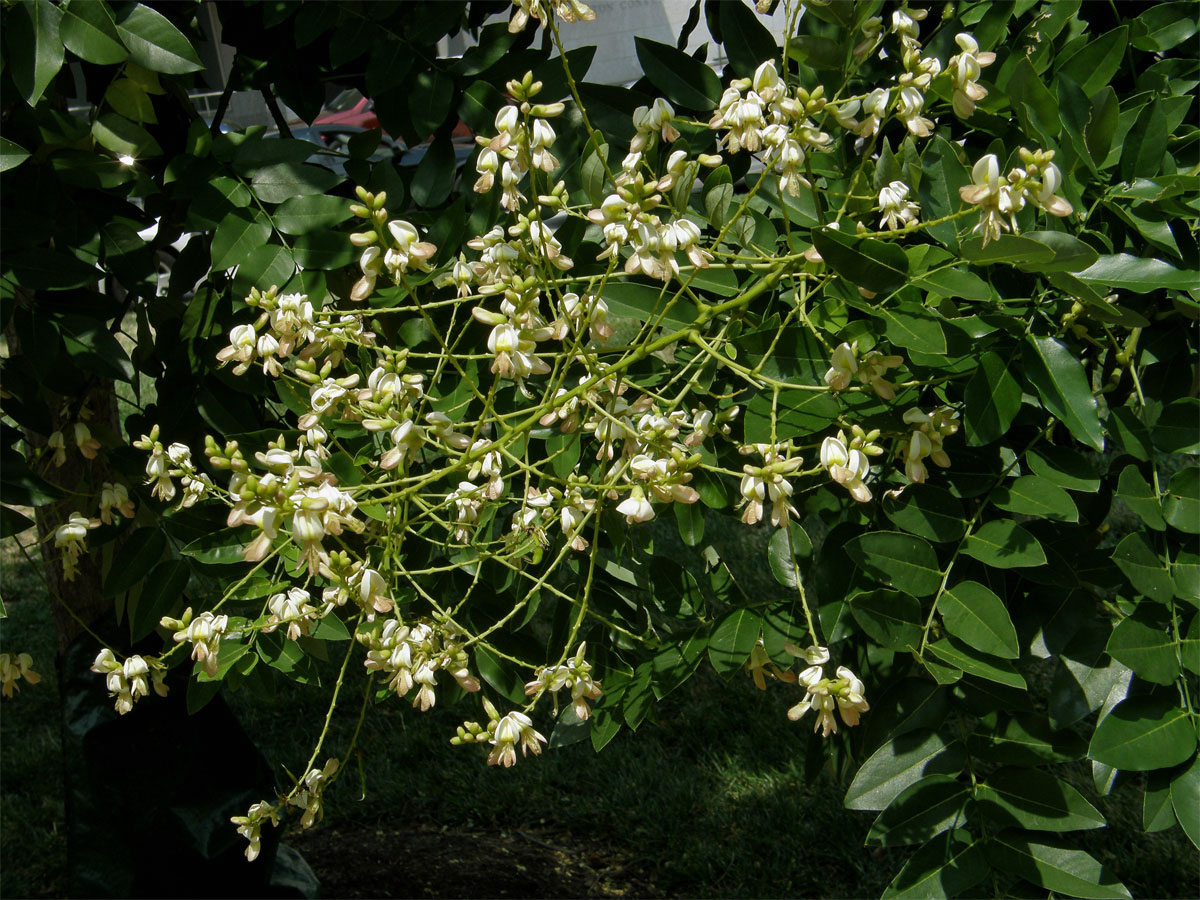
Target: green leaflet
x: 1055, y: 868
x: 1143, y: 733
x: 978, y: 617
x: 1062, y: 384
x: 1004, y: 544
x: 900, y: 763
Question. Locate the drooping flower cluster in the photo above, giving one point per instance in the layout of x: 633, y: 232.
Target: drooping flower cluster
x: 13, y: 669
x: 204, y: 633
x: 822, y: 695
x: 250, y: 826
x: 69, y: 538
x: 575, y: 675
x: 768, y: 482
x: 1001, y: 198
x: 131, y: 679
x: 413, y: 655
x: 925, y: 441
x: 869, y: 369
x: 567, y: 10
x: 848, y: 461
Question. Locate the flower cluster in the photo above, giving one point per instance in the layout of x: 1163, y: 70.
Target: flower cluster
x: 250, y: 826
x: 567, y: 10
x: 174, y: 461
x: 760, y: 667
x: 1001, y: 198
x: 823, y: 695
x: 575, y: 675
x: 768, y: 482
x: 895, y: 207
x: 848, y: 461
x: 503, y: 734
x: 310, y: 797
x: 926, y: 440
x: 13, y: 669
x: 203, y: 632
x: 965, y: 69
x: 413, y: 655
x: 127, y: 681
x: 294, y: 492
x: 523, y: 141
x: 762, y: 113
x: 69, y: 538
x: 869, y: 369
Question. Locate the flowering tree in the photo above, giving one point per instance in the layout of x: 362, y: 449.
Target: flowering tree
x: 913, y: 294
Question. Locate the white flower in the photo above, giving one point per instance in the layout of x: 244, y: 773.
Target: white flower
x: 897, y: 210
x: 513, y: 728
x: 847, y: 467
x: 843, y: 366
x: 70, y: 537
x: 114, y: 496
x: 635, y: 507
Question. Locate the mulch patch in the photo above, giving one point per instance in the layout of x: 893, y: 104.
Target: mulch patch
x: 374, y: 860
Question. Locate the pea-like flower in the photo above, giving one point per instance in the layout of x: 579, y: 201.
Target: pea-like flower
x: 70, y: 538
x: 895, y: 207
x: 513, y: 729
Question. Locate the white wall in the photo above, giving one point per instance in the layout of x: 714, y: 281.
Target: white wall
x: 619, y: 21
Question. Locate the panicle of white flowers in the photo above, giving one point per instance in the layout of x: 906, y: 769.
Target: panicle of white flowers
x: 768, y: 482
x: 1001, y: 198
x: 823, y: 695
x: 413, y: 655
x: 925, y: 440
x: 895, y: 208
x: 70, y: 538
x: 131, y: 679
x: 250, y: 825
x: 575, y: 675
x: 13, y: 669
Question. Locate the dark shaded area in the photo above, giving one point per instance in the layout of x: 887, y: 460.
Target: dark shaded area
x: 383, y: 860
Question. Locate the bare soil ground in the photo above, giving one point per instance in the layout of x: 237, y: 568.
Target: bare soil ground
x: 364, y: 860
